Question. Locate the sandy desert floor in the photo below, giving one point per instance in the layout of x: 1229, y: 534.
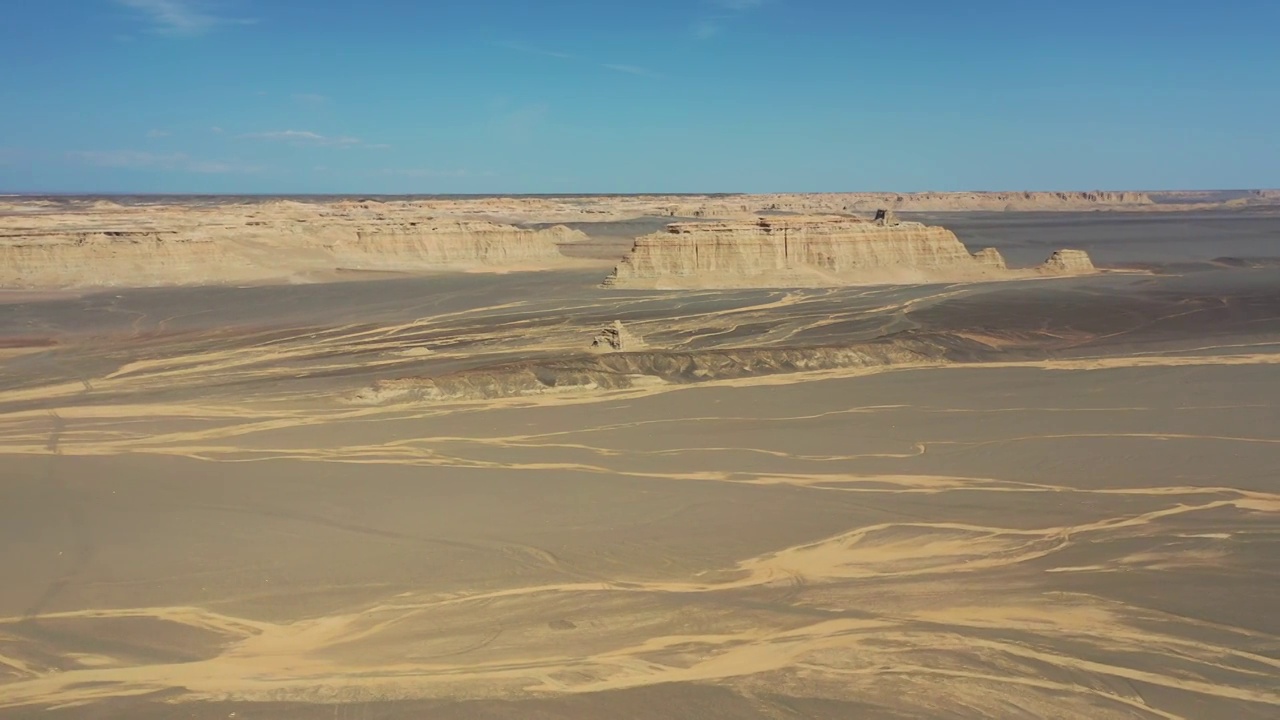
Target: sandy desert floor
x: 1054, y: 498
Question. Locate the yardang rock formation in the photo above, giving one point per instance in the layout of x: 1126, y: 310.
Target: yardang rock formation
x: 815, y: 252
x: 110, y: 245
x: 1068, y: 262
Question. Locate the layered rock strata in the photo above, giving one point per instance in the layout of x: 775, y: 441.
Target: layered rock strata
x: 448, y: 244
x: 128, y: 247
x: 1068, y: 262
x: 810, y: 252
x: 121, y: 258
x: 646, y: 369
x: 991, y: 257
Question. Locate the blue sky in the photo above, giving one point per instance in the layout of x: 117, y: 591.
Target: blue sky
x: 504, y: 96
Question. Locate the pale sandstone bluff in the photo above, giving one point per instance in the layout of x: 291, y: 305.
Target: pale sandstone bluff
x: 449, y: 244
x: 97, y: 259
x: 1066, y: 262
x: 281, y: 242
x: 815, y: 252
x: 818, y: 203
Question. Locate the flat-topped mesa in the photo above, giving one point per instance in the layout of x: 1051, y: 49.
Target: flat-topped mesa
x: 801, y: 252
x: 118, y: 258
x: 955, y: 201
x: 449, y: 244
x: 268, y: 243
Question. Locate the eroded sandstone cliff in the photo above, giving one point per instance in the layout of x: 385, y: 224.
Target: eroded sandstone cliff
x: 1068, y: 262
x: 816, y: 203
x: 110, y: 245
x: 809, y: 252
x: 121, y: 258
x: 448, y: 244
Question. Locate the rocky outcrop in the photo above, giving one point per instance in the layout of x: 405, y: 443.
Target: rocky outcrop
x: 120, y: 258
x: 886, y: 218
x: 991, y: 258
x: 107, y: 245
x: 1068, y: 262
x: 615, y: 338
x: 446, y: 244
x: 624, y: 371
x: 87, y: 242
x: 747, y: 206
x: 800, y: 252
x: 957, y: 201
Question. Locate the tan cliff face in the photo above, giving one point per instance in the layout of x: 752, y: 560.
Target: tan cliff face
x: 1067, y: 262
x: 68, y: 243
x: 811, y: 252
x: 448, y: 244
x: 818, y: 203
x: 120, y: 259
x: 991, y: 257
x: 111, y: 246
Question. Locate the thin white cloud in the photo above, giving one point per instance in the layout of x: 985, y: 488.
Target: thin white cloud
x: 158, y: 133
x: 216, y: 130
x: 710, y: 26
x: 521, y: 124
x: 530, y: 50
x: 427, y: 173
x: 142, y: 160
x: 616, y: 67
x: 313, y: 139
x: 310, y: 99
x: 216, y: 167
x: 128, y: 159
x: 182, y: 17
x: 629, y: 69
x: 706, y: 29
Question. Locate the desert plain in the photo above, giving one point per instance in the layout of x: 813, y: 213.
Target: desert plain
x: 370, y: 459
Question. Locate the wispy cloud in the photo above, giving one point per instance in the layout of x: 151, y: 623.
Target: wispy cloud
x: 432, y: 173
x: 707, y: 28
x: 312, y: 139
x: 301, y: 137
x: 710, y: 26
x: 310, y: 99
x: 531, y: 50
x: 182, y: 17
x: 629, y: 69
x: 738, y: 4
x: 217, y: 167
x: 158, y: 133
x: 616, y: 67
x: 141, y: 160
x: 128, y: 159
x: 521, y: 124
